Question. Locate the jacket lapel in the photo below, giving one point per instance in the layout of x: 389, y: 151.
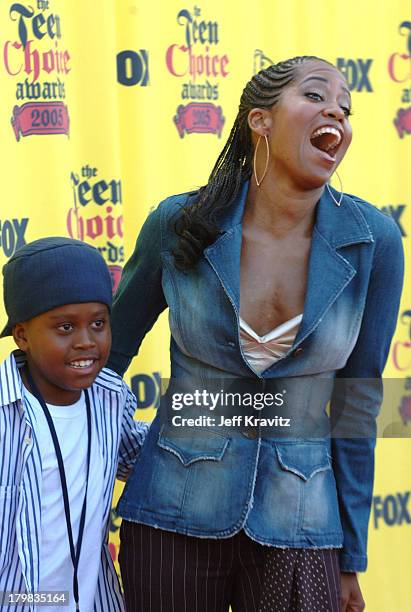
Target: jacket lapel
x: 329, y: 271
x: 328, y: 275
x: 224, y: 254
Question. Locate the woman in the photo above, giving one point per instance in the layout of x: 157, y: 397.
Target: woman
x: 269, y: 275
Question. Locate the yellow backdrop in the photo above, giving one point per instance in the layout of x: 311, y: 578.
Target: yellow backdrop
x: 107, y: 107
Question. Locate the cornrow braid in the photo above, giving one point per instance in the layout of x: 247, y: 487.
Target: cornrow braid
x: 196, y: 226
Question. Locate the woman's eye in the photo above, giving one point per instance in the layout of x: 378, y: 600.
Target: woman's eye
x: 65, y: 327
x: 314, y: 96
x: 347, y: 111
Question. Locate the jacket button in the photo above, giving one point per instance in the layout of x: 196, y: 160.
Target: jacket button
x: 251, y: 433
x: 297, y: 351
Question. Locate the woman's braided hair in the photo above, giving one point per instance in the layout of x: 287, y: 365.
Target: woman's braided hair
x: 196, y: 226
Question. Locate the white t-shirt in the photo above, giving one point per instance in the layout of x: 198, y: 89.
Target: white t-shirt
x: 56, y: 568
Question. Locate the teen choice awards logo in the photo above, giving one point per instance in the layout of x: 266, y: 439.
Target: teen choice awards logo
x: 405, y: 409
x: 198, y: 61
x: 96, y: 216
x: 401, y: 350
x: 261, y: 61
x: 114, y: 528
x: 399, y: 70
x: 35, y: 58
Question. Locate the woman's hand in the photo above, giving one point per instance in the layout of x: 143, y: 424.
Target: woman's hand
x: 351, y: 596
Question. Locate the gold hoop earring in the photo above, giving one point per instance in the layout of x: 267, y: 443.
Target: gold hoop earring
x: 337, y: 202
x: 255, y: 160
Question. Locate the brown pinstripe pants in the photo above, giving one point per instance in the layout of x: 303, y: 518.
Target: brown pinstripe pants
x: 164, y: 571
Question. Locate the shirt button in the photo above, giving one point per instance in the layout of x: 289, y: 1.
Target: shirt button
x: 251, y: 433
x: 297, y: 351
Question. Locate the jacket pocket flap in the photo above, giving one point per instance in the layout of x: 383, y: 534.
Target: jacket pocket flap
x: 303, y: 459
x: 202, y: 445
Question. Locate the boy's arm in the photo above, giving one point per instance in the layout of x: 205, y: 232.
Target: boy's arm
x: 133, y: 434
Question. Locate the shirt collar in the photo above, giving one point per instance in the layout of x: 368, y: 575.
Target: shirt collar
x: 11, y: 384
x: 107, y: 379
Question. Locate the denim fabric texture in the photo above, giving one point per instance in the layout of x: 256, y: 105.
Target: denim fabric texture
x: 298, y: 492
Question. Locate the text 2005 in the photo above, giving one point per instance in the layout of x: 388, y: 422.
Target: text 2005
x: 201, y: 117
x: 47, y: 117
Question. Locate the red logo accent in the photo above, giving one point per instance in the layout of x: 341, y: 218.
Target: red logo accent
x: 113, y: 551
x: 40, y: 118
x: 405, y: 409
x: 200, y: 118
x: 402, y: 362
x: 115, y: 272
x: 403, y: 121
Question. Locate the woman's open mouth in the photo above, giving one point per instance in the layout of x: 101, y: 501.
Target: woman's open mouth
x: 327, y: 139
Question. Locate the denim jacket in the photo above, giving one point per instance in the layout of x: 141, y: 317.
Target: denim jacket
x: 309, y: 492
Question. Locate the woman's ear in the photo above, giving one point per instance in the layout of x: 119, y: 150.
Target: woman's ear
x: 259, y: 121
x: 20, y: 336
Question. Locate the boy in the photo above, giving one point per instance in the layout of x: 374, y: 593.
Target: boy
x: 65, y: 423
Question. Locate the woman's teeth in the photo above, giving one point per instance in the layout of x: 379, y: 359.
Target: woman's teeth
x: 326, y: 138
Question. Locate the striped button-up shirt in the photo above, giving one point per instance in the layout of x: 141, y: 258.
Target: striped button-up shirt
x: 119, y: 438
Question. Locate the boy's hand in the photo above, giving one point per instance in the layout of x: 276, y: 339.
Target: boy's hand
x: 351, y: 596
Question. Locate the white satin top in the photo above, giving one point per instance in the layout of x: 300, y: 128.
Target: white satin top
x: 262, y: 351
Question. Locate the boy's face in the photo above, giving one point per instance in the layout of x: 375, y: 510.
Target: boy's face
x: 66, y: 348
